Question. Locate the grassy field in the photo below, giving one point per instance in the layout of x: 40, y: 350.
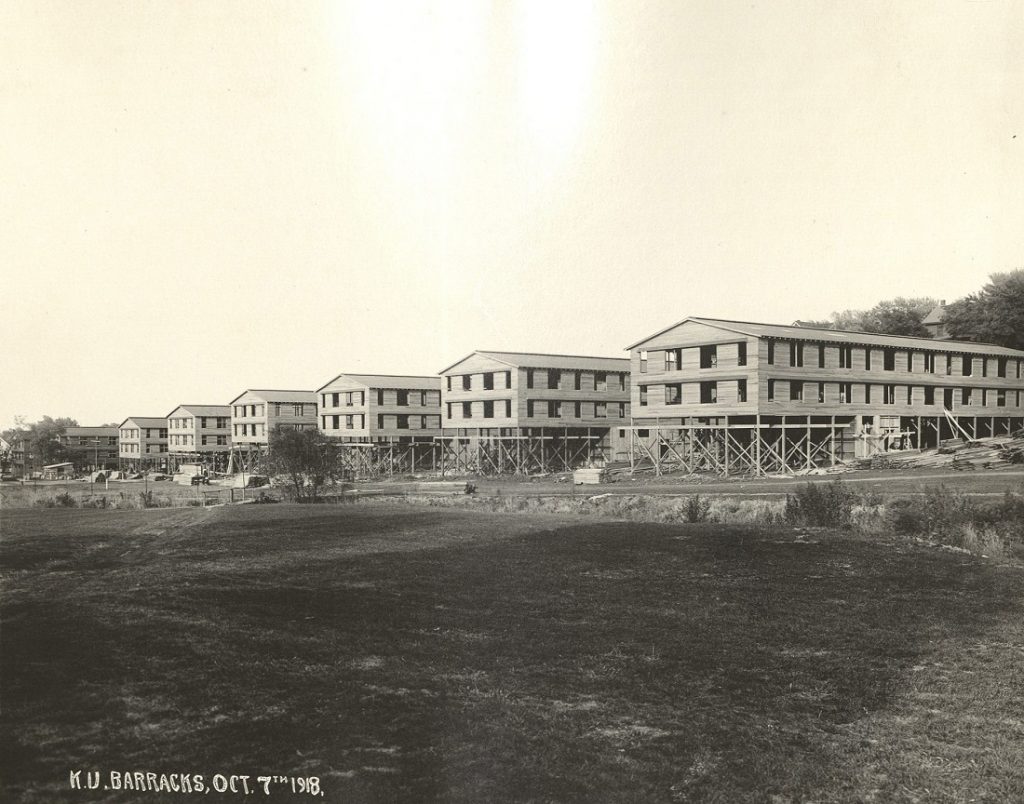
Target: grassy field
x: 409, y: 654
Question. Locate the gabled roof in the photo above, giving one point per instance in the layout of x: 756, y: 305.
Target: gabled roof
x: 545, y: 361
x: 936, y: 316
x: 277, y: 396
x: 89, y: 431
x: 412, y: 382
x: 203, y: 410
x: 144, y: 421
x: 838, y: 336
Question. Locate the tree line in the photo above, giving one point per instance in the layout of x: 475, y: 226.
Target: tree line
x: 993, y: 314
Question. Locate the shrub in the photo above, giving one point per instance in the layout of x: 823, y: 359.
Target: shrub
x: 696, y: 508
x: 821, y: 505
x: 983, y: 540
x: 65, y: 500
x: 147, y: 499
x: 96, y: 502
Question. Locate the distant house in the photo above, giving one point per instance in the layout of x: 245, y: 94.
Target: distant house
x: 93, y: 447
x: 935, y: 321
x: 142, y: 442
x: 199, y: 434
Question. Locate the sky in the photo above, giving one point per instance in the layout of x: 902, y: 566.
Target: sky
x: 200, y: 198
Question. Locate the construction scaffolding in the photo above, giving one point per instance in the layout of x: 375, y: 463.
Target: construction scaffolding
x: 373, y: 460
x: 763, y: 445
x: 522, y: 452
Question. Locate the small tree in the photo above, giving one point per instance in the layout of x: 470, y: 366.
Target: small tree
x: 307, y: 458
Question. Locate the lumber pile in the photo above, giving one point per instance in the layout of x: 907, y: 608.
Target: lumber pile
x: 999, y: 452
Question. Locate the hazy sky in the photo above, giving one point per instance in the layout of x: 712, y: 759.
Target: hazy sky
x: 203, y: 197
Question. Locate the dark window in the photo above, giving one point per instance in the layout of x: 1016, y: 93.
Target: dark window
x: 403, y: 421
x: 910, y: 394
x: 1001, y: 367
x: 380, y: 396
x: 821, y: 392
x: 643, y: 433
x: 449, y: 379
x: 708, y: 356
x: 380, y: 421
x: 672, y: 357
x: 578, y: 410
x: 796, y: 390
x: 489, y: 409
x: 673, y: 394
x: 846, y: 392
x: 577, y: 380
x: 967, y: 365
x: 771, y: 353
x: 741, y: 390
x: 845, y: 357
x: 708, y: 393
x: 554, y: 409
x: 888, y: 394
x: 489, y: 381
x: 1001, y: 398
x: 889, y: 360
x: 771, y: 390
x: 600, y: 381
x: 554, y: 378
x: 929, y: 395
x: 529, y: 378
x: 508, y: 408
x: 449, y: 404
x: 929, y: 362
x: 529, y: 408
x: 796, y: 354
x: 467, y: 410
x: 821, y: 355
x: 867, y: 393
x: 984, y: 366
x: 741, y: 353
x: 467, y: 382
x: 336, y: 422
x: 643, y: 396
x: 949, y: 364
x: 965, y: 396
x: 403, y: 399
x: 867, y: 358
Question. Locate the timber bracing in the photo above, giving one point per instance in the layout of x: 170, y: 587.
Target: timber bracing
x: 545, y: 451
x: 783, y: 445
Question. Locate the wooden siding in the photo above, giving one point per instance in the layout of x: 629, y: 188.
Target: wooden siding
x: 380, y: 412
x: 824, y: 378
x: 518, y: 395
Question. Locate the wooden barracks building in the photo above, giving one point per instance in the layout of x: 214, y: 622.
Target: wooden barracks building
x: 142, y: 443
x: 515, y: 412
x: 199, y: 434
x: 383, y: 423
x: 255, y: 413
x: 731, y: 396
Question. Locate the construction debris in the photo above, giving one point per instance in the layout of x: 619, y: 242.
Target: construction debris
x: 999, y: 452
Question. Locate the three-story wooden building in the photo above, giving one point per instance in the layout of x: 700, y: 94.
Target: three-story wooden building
x: 524, y: 412
x: 383, y: 424
x: 199, y: 434
x: 740, y: 396
x: 142, y: 443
